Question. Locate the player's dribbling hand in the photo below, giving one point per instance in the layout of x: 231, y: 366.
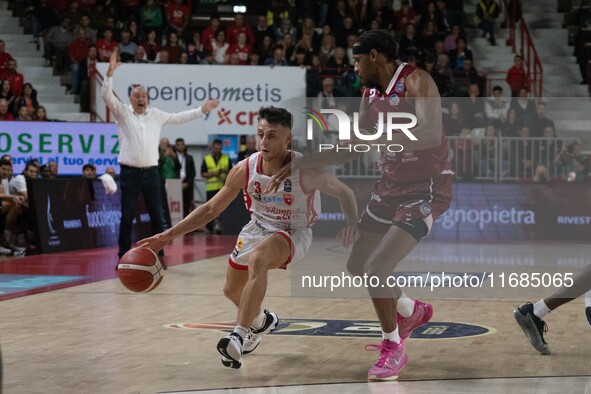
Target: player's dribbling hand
x: 155, y: 242
x: 349, y: 235
x: 209, y: 106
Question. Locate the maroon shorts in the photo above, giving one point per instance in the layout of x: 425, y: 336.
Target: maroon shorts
x: 396, y: 202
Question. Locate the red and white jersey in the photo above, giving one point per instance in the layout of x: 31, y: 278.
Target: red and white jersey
x: 406, y: 165
x: 291, y: 207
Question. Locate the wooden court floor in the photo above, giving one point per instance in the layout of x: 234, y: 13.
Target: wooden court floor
x: 100, y: 338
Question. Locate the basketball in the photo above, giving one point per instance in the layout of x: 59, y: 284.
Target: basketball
x: 140, y: 270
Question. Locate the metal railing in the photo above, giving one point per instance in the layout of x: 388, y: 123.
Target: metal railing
x: 492, y: 159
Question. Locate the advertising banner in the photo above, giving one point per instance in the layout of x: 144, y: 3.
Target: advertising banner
x: 491, y: 212
x: 242, y: 90
x: 89, y: 219
x: 71, y: 145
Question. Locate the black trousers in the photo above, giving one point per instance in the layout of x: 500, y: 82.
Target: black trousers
x: 134, y: 181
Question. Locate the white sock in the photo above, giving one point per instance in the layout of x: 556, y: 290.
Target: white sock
x: 391, y: 336
x: 541, y: 309
x: 405, y: 306
x: 242, y: 331
x: 588, y: 299
x: 259, y: 321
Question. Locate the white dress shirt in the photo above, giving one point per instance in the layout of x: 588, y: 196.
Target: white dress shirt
x: 139, y: 135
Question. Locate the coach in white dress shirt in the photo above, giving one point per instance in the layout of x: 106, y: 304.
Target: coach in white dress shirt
x: 139, y: 130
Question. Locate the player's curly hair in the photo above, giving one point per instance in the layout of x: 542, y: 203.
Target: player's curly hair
x: 276, y: 116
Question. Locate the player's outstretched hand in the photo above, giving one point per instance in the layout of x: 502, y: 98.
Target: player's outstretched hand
x: 349, y: 235
x: 280, y: 176
x: 210, y: 105
x: 155, y: 242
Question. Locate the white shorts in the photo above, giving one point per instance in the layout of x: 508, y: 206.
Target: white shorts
x: 255, y: 232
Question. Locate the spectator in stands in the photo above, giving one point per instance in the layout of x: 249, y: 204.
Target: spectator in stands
x: 10, y: 208
x: 139, y: 56
x: 77, y: 51
x: 261, y: 30
x: 487, y: 11
x: 341, y: 10
x: 576, y: 165
x: 488, y: 155
x: 109, y: 23
x: 326, y: 49
x: 41, y: 17
x: 23, y: 114
x: 404, y: 17
x: 443, y: 67
x: 233, y: 31
x: 496, y: 107
x: 187, y: 174
x: 173, y: 48
x: 453, y: 123
x: 220, y: 47
x: 44, y: 172
x: 265, y: 49
x: 210, y: 33
x: 4, y: 113
x: 106, y: 45
x: 428, y: 38
x: 85, y: 69
x: 89, y: 171
x: 111, y: 171
x: 135, y: 34
x: 509, y: 127
x: 184, y: 58
x: 304, y: 43
x: 151, y: 46
x: 89, y: 31
x: 443, y: 82
x: 431, y: 14
x: 73, y: 13
x: 41, y: 115
x: 327, y: 95
x: 473, y: 110
x: 457, y: 56
x: 409, y: 44
x: 450, y: 40
x: 163, y: 57
x: 512, y: 11
x: 127, y: 47
x: 380, y: 13
x: 540, y: 121
x: 16, y: 79
x: 254, y: 59
x: 517, y: 78
x: 285, y: 28
x: 4, y: 58
x: 169, y: 167
x: 151, y: 17
x: 251, y: 148
x: 340, y: 35
x: 195, y: 49
x: 53, y: 169
x: 351, y: 38
x: 549, y: 147
x: 287, y: 44
x: 581, y: 52
x: 523, y: 152
x: 18, y: 184
x: 469, y: 72
x: 463, y: 157
x: 129, y: 9
x: 177, y: 17
x: 56, y: 43
x: 240, y: 48
x: 28, y: 100
x: 6, y: 91
x: 524, y: 107
x: 278, y: 59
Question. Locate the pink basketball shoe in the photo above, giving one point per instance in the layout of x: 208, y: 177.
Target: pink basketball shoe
x: 392, y: 360
x: 421, y: 315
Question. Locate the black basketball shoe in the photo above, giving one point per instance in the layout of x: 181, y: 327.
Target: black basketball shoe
x: 532, y: 326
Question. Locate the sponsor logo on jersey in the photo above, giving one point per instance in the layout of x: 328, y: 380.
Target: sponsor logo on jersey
x: 351, y: 328
x: 394, y: 100
x: 287, y: 186
x: 425, y: 209
x: 400, y: 85
x: 287, y: 198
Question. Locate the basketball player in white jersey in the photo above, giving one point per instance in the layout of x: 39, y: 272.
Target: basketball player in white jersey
x: 279, y: 231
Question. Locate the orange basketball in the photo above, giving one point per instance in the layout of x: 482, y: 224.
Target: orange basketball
x: 140, y: 270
